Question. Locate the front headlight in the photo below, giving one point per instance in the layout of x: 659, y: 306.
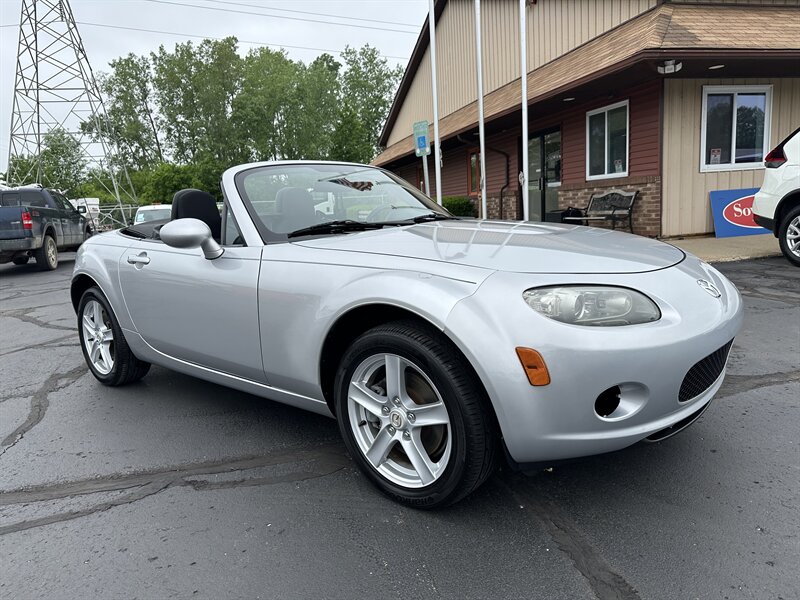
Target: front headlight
x: 592, y: 305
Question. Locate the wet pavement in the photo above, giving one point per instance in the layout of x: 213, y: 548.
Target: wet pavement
x: 174, y: 487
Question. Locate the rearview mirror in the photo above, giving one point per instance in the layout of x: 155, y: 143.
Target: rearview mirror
x: 190, y: 233
x: 82, y: 209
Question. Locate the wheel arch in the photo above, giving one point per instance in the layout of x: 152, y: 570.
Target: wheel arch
x: 787, y: 203
x: 51, y: 231
x: 359, y: 320
x: 78, y: 287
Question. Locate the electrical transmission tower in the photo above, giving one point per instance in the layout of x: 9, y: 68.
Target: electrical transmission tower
x: 55, y: 92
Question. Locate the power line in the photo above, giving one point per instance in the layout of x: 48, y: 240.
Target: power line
x: 259, y: 14
x: 201, y: 37
x: 306, y: 12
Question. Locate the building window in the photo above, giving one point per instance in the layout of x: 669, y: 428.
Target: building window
x: 735, y: 127
x: 473, y: 172
x: 607, y: 141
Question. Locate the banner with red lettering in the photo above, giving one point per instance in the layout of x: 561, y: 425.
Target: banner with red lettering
x: 733, y: 213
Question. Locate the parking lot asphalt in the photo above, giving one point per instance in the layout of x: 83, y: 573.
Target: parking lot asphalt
x: 174, y: 487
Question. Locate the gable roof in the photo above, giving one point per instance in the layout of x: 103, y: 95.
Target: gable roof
x: 667, y: 31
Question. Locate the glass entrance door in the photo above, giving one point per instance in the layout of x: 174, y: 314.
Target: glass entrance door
x: 544, y: 173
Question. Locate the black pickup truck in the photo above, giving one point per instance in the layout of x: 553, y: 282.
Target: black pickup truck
x: 38, y: 222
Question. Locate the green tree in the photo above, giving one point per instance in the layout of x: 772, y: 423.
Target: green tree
x: 61, y: 162
x: 260, y: 108
x: 164, y: 181
x: 368, y: 85
x: 195, y: 88
x: 132, y: 115
x: 312, y: 110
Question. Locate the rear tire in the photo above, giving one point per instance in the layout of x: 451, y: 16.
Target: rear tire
x: 21, y: 260
x: 47, y: 256
x: 432, y: 442
x: 789, y: 236
x: 104, y: 347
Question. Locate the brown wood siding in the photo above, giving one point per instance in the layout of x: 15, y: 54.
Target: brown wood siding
x: 408, y: 172
x: 644, y: 149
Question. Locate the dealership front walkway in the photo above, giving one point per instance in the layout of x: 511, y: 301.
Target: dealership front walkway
x: 712, y: 249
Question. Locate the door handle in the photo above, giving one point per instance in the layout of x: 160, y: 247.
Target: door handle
x: 138, y: 259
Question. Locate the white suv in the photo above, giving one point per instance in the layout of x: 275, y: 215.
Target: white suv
x: 777, y: 203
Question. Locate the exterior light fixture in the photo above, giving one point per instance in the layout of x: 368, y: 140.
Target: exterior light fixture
x: 715, y: 67
x: 670, y: 66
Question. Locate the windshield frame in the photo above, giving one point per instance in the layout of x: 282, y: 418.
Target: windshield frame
x: 272, y: 237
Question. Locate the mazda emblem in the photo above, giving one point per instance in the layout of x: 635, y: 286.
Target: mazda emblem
x: 709, y: 287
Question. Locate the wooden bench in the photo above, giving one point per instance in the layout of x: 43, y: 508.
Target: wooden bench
x: 613, y: 206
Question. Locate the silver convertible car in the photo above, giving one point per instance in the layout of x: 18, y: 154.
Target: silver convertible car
x: 439, y: 344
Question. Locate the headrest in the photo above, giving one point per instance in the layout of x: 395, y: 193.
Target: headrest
x: 292, y: 199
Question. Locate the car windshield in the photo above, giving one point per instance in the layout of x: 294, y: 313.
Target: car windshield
x: 290, y: 198
x: 154, y: 214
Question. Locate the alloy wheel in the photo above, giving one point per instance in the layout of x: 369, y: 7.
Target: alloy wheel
x: 793, y: 236
x: 98, y: 337
x: 399, y: 420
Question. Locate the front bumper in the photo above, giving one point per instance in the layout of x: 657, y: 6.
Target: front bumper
x: 647, y: 363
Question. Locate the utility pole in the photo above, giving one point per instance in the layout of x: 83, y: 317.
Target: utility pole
x: 55, y: 90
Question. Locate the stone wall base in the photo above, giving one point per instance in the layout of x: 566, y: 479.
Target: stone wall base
x: 646, y: 210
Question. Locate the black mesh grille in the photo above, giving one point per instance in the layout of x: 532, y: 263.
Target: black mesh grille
x: 704, y: 373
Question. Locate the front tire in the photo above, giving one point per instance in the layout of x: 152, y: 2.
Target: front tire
x: 47, y: 255
x: 104, y: 347
x: 789, y: 236
x: 413, y: 415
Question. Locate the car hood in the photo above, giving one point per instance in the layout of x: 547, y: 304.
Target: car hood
x: 511, y: 246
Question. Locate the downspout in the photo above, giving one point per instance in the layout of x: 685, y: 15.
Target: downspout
x: 508, y: 165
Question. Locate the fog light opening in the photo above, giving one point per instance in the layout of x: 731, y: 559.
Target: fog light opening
x: 607, y: 402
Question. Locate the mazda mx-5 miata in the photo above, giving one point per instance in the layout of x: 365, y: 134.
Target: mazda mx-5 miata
x: 439, y: 344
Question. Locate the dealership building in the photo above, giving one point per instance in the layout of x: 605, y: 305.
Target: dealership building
x: 672, y: 99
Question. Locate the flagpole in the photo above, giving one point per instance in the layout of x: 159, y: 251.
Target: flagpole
x: 437, y: 157
x: 479, y: 60
x: 523, y: 59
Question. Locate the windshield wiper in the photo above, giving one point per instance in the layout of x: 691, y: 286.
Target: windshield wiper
x: 335, y: 227
x: 432, y: 216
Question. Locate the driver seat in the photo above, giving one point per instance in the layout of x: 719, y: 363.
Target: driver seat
x: 196, y: 204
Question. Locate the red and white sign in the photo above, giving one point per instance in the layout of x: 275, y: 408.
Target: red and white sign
x: 740, y: 212
x: 733, y: 212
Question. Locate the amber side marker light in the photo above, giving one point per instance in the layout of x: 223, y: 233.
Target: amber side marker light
x: 534, y: 366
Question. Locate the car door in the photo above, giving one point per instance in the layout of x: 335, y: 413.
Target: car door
x: 71, y: 219
x: 194, y: 309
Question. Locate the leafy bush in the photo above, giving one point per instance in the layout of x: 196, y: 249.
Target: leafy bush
x: 460, y: 206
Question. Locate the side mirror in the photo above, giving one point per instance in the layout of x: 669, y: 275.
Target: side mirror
x: 190, y: 233
x: 82, y: 209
